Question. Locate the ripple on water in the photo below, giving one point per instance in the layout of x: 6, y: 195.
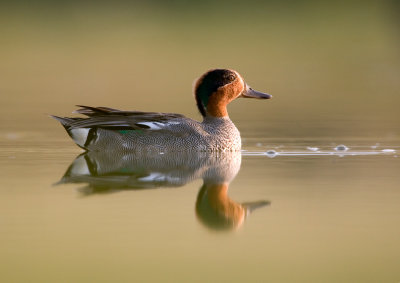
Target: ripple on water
x: 340, y: 150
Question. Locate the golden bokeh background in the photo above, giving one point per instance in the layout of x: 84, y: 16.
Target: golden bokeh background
x: 337, y: 64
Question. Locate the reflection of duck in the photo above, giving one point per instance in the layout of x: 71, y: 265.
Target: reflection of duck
x: 216, y: 210
x: 138, y: 131
x: 120, y: 171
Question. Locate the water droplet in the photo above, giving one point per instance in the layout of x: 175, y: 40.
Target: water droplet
x: 312, y: 148
x: 258, y: 144
x: 388, y: 150
x: 341, y: 147
x: 271, y: 153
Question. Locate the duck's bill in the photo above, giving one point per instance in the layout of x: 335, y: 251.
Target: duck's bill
x: 251, y: 93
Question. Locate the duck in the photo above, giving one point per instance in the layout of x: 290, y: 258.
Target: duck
x: 111, y: 129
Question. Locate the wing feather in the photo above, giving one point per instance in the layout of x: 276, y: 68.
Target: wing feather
x: 105, y: 117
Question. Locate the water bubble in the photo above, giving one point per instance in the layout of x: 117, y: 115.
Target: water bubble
x: 312, y: 148
x: 341, y: 147
x: 271, y: 153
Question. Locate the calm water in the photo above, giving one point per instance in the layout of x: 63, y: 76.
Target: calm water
x: 296, y: 214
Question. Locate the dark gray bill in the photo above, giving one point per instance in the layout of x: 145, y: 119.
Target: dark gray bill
x: 251, y: 93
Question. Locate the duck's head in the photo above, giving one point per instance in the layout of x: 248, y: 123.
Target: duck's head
x: 217, y: 88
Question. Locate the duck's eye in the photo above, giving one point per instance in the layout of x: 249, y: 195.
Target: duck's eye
x: 231, y: 78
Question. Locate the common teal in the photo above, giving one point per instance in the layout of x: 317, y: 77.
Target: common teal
x: 112, y: 129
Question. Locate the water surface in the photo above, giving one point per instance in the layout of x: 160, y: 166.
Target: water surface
x: 322, y: 217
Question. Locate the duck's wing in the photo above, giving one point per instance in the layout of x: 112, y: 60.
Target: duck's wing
x: 104, y: 117
x: 106, y: 111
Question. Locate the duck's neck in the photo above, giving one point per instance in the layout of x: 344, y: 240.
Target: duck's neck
x: 217, y: 111
x: 216, y: 106
x: 213, y: 105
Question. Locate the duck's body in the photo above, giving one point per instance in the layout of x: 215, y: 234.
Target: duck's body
x: 108, y: 128
x: 177, y: 133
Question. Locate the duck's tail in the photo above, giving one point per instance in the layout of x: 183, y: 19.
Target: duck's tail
x: 66, y: 122
x: 79, y: 135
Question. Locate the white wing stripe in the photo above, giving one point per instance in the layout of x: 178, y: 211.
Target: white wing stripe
x: 152, y: 125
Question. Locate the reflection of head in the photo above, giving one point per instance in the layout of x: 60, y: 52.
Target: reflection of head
x: 216, y: 210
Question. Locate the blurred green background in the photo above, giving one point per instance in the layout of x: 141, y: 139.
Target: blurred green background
x: 332, y: 67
